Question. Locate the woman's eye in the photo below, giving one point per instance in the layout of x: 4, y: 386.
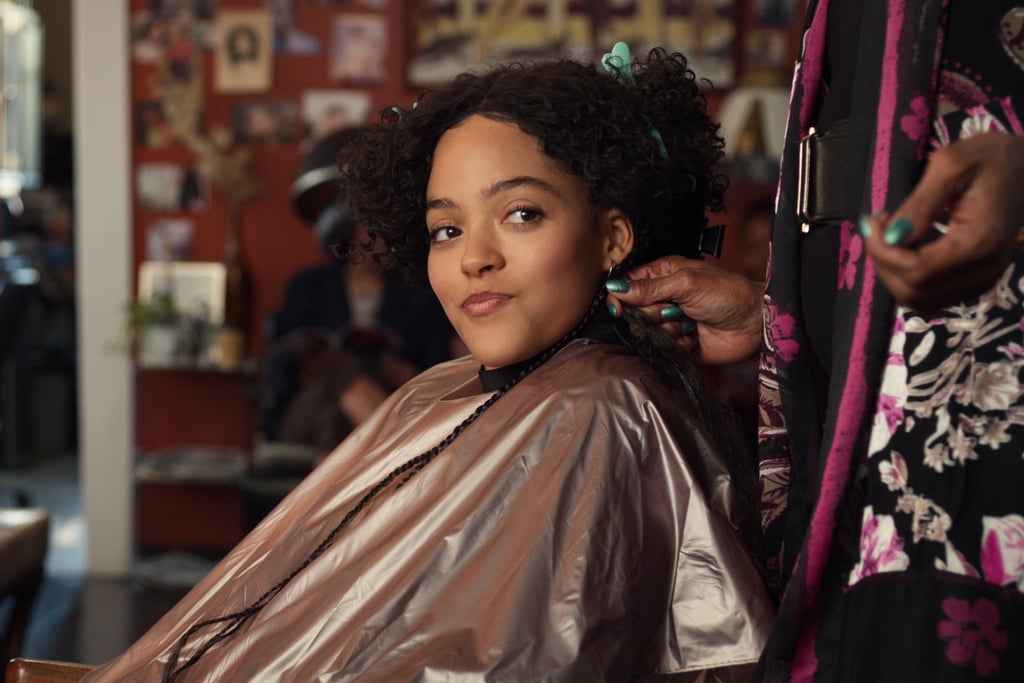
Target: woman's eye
x: 444, y: 233
x: 523, y: 214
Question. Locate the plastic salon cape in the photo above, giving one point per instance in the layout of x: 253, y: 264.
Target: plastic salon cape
x: 577, y: 531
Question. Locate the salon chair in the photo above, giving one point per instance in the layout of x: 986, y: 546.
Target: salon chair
x: 39, y: 671
x: 24, y: 535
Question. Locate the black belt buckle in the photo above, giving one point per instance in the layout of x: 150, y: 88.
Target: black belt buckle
x: 819, y: 192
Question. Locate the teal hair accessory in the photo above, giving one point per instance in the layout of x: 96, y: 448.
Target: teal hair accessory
x: 398, y: 110
x: 619, y: 63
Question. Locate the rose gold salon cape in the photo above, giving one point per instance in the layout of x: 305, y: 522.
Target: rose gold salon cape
x: 578, y: 531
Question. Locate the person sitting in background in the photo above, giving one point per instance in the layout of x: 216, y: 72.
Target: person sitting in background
x: 347, y: 335
x: 565, y: 504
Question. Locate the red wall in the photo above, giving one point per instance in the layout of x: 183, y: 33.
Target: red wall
x: 175, y: 407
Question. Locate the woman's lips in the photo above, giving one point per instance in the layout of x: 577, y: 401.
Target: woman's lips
x: 482, y: 303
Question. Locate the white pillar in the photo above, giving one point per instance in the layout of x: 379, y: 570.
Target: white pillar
x: 103, y: 238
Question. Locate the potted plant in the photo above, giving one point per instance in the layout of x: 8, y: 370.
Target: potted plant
x: 161, y: 336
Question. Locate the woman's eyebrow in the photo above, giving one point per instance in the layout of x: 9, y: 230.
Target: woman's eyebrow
x: 441, y: 203
x: 497, y: 188
x: 519, y: 181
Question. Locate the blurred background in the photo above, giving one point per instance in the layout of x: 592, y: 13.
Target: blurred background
x: 179, y: 344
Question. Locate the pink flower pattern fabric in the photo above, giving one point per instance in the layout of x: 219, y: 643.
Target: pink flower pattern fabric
x: 906, y: 430
x: 881, y: 548
x: 972, y: 634
x: 1002, y: 550
x: 916, y: 123
x: 851, y: 247
x: 781, y: 328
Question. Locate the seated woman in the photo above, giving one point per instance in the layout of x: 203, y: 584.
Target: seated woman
x: 559, y: 506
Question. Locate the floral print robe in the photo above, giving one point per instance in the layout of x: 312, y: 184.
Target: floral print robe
x: 894, y: 515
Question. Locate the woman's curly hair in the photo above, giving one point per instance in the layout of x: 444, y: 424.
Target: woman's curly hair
x: 592, y: 123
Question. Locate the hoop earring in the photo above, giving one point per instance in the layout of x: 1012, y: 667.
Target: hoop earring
x: 610, y: 270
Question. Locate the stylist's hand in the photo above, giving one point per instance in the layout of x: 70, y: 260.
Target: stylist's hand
x: 979, y: 180
x: 722, y: 309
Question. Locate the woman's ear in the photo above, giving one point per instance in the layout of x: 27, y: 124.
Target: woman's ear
x: 617, y: 230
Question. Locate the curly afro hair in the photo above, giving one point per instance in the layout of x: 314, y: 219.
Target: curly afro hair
x: 592, y: 123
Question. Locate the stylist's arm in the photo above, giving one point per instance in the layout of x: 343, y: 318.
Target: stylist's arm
x: 721, y: 309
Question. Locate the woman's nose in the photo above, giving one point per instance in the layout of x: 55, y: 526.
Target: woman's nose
x: 480, y: 253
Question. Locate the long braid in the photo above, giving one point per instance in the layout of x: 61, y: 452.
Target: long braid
x: 409, y: 469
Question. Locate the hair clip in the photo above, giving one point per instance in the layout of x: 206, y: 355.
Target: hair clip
x: 711, y: 239
x: 398, y: 111
x: 619, y: 63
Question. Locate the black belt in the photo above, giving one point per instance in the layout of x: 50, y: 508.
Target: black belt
x: 819, y: 193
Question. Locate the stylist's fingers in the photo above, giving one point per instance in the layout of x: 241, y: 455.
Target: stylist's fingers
x: 947, y: 175
x: 720, y: 310
x: 936, y: 275
x: 977, y: 180
x: 703, y: 292
x: 974, y: 180
x: 655, y: 285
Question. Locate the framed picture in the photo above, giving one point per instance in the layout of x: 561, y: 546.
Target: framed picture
x: 288, y: 37
x: 170, y: 239
x: 265, y: 121
x: 359, y: 48
x: 197, y: 288
x: 163, y: 186
x: 324, y: 111
x: 245, y: 52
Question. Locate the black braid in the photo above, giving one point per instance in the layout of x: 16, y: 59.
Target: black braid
x: 409, y: 468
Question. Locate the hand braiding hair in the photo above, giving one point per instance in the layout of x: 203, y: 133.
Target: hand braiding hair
x: 402, y: 474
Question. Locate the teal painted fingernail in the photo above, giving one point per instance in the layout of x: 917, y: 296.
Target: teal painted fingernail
x: 617, y: 286
x: 671, y: 313
x: 613, y: 309
x: 689, y: 327
x: 865, y: 226
x: 898, y: 231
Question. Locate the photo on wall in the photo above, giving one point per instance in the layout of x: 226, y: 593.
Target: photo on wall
x: 288, y: 37
x: 172, y: 31
x: 324, y: 111
x: 151, y: 127
x: 170, y: 239
x: 244, y: 58
x: 265, y: 121
x: 359, y: 49
x: 162, y: 186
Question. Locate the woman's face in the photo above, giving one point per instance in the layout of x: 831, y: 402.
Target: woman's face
x: 516, y: 254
